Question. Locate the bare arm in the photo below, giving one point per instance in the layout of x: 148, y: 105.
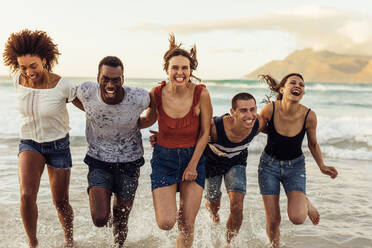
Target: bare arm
x: 151, y: 114
x: 213, y: 132
x: 265, y: 117
x: 78, y: 104
x: 205, y: 124
x: 311, y: 124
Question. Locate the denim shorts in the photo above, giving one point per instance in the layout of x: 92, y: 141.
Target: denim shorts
x: 291, y: 173
x: 169, y: 164
x: 235, y: 181
x: 119, y: 178
x: 56, y: 153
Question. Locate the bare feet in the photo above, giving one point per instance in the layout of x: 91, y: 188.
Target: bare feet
x: 313, y: 213
x: 215, y: 216
x: 33, y: 244
x: 69, y: 244
x: 274, y: 245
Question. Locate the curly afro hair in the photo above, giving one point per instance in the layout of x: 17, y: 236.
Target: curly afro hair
x: 36, y: 43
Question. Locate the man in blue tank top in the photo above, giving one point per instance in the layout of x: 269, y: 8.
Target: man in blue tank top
x: 226, y: 155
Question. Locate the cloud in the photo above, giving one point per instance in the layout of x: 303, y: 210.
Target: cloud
x: 341, y: 31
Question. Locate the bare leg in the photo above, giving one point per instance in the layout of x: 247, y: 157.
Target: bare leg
x: 299, y: 207
x: 213, y: 208
x: 190, y: 199
x: 236, y: 215
x: 213, y: 188
x: 273, y: 218
x: 59, y: 183
x: 99, y: 200
x: 165, y: 206
x: 313, y: 213
x: 30, y: 168
x: 121, y: 211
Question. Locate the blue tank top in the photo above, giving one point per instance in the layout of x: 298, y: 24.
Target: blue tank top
x: 222, y: 154
x: 284, y: 147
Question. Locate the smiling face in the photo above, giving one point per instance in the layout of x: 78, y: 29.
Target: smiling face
x: 110, y: 81
x: 31, y: 67
x: 245, y: 113
x: 293, y: 89
x: 179, y: 70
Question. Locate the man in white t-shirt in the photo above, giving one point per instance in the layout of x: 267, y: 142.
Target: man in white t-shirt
x: 115, y: 151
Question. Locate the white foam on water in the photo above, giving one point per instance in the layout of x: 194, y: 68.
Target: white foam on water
x: 337, y: 87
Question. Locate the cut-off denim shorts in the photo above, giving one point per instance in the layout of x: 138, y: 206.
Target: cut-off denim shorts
x: 169, y: 164
x: 119, y: 178
x: 56, y: 153
x: 272, y: 172
x: 235, y: 181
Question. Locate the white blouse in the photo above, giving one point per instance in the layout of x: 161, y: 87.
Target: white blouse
x: 43, y: 111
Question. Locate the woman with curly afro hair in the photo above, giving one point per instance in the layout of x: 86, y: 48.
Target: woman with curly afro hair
x: 42, y: 97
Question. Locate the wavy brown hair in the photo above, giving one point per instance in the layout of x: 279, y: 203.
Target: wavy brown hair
x: 274, y: 86
x: 176, y: 50
x: 36, y: 43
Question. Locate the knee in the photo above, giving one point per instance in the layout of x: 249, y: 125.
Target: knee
x: 297, y: 219
x: 61, y: 205
x: 166, y: 223
x: 237, y: 212
x: 28, y: 197
x: 100, y: 220
x: 186, y: 228
x: 273, y: 221
x: 121, y: 212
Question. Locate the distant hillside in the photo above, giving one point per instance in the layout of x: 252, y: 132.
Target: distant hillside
x: 320, y: 66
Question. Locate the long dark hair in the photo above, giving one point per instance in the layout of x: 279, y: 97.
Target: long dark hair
x: 274, y: 86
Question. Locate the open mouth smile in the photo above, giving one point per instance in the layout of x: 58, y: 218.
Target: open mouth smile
x: 180, y: 79
x: 296, y: 92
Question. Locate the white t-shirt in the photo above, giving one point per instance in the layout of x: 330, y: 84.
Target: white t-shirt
x: 43, y: 111
x: 112, y: 131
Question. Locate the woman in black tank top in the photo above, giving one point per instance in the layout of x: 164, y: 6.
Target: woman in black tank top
x: 283, y: 160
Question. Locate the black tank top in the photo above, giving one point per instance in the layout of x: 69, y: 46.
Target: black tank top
x: 222, y: 154
x: 284, y: 147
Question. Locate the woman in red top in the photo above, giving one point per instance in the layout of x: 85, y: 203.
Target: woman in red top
x: 184, y: 111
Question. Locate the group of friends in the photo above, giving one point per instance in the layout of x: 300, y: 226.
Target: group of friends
x: 189, y: 149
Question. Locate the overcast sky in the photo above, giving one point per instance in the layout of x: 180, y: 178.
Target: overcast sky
x: 232, y: 37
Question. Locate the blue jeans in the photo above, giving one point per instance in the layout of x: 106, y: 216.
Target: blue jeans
x: 119, y: 178
x: 272, y: 172
x: 235, y: 181
x: 169, y: 164
x: 56, y: 153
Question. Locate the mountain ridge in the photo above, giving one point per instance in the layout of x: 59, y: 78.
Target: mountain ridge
x: 320, y: 66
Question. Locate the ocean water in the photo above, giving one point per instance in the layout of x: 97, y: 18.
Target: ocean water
x: 344, y: 132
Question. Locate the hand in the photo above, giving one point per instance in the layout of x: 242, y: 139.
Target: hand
x: 329, y: 170
x: 153, y: 137
x: 189, y: 174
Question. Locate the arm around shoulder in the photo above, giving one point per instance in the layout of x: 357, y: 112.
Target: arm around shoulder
x: 265, y: 116
x: 151, y: 114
